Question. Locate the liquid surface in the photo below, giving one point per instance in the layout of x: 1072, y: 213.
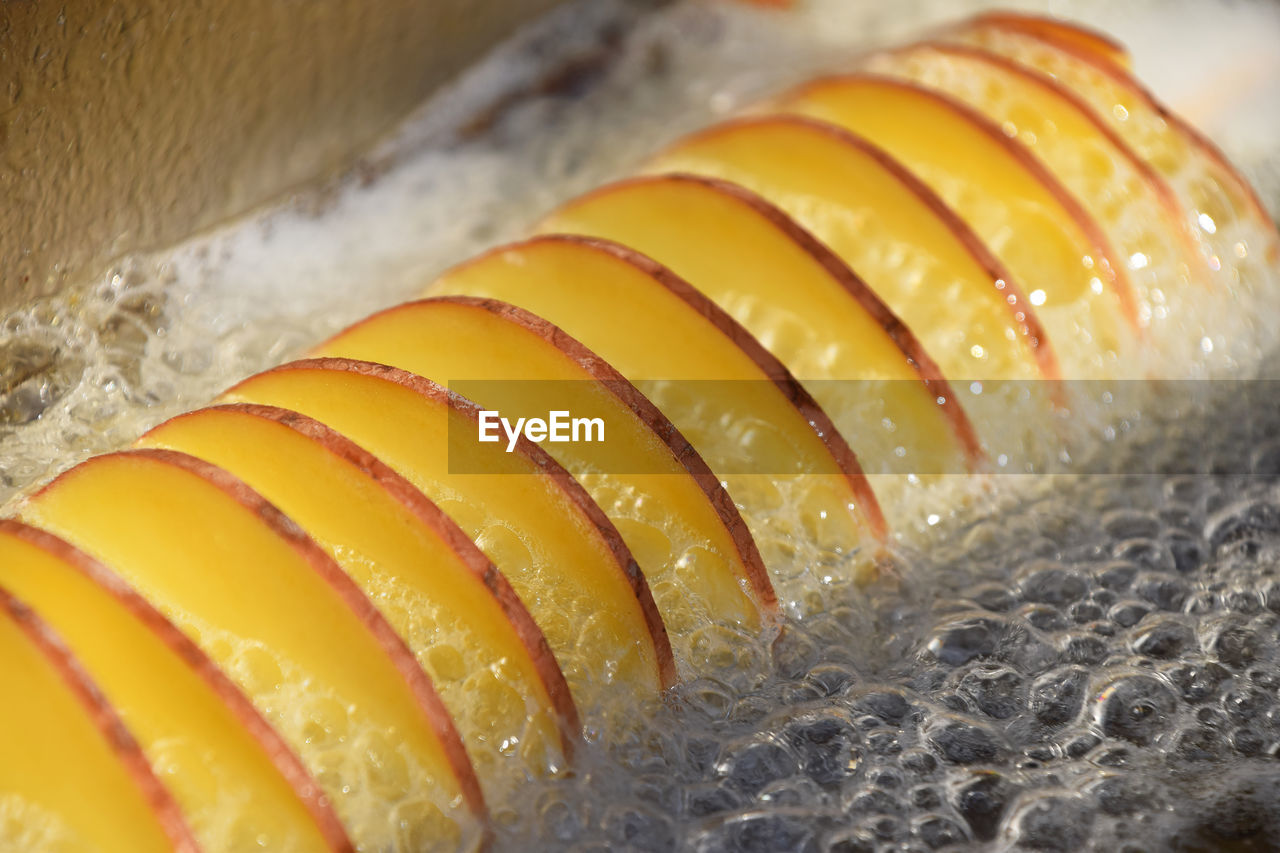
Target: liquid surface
x: 1092, y: 666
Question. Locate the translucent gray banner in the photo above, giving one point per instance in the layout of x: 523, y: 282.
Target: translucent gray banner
x: 890, y: 427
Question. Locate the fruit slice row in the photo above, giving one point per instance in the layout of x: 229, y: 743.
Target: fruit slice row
x: 285, y: 623
x: 1125, y: 195
x: 459, y: 615
x: 71, y: 777
x: 709, y: 374
x: 858, y: 360
x: 1238, y: 238
x: 1058, y: 32
x: 350, y: 605
x: 559, y: 552
x: 1021, y: 212
x: 692, y: 545
x: 238, y: 783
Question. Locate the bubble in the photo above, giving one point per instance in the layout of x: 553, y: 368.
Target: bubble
x: 1057, y: 696
x: 996, y: 690
x: 827, y: 743
x: 1241, y: 521
x: 1117, y: 575
x: 966, y: 639
x: 1130, y: 524
x: 761, y: 831
x: 638, y: 828
x: 750, y: 765
x: 981, y: 799
x: 1163, y: 639
x: 1051, y: 821
x: 1234, y: 644
x: 963, y: 742
x: 1050, y: 583
x: 1197, y: 682
x: 1164, y: 592
x: 1136, y: 708
x: 888, y: 704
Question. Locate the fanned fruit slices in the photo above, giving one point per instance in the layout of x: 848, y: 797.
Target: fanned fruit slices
x: 294, y: 632
x: 237, y: 782
x: 71, y: 777
x: 1058, y: 252
x: 1237, y: 236
x: 690, y: 541
x: 458, y: 614
x: 737, y: 404
x: 559, y: 552
x: 364, y: 597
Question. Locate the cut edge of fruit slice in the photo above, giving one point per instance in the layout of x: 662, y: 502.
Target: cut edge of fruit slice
x: 103, y: 718
x: 847, y: 281
x: 278, y: 753
x: 1024, y: 315
x: 1198, y: 140
x: 441, y: 525
x: 365, y: 612
x: 652, y: 417
x: 1104, y: 253
x: 562, y: 479
x: 1167, y: 198
x: 774, y: 370
x: 1058, y: 32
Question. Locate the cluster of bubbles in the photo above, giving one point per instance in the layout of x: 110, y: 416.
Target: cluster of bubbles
x: 88, y: 371
x: 1096, y: 666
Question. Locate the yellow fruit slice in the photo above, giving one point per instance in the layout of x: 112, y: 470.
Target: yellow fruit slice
x: 239, y: 786
x: 561, y: 555
x: 758, y: 429
x: 918, y: 257
x: 1011, y: 201
x: 71, y: 776
x: 1193, y: 164
x: 1237, y: 236
x: 285, y: 623
x: 1134, y: 205
x: 796, y: 297
x: 464, y: 623
x: 1059, y: 32
x: 700, y: 562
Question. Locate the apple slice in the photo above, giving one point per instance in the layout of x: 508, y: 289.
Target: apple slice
x: 1023, y: 214
x: 736, y: 403
x: 894, y: 232
x: 486, y: 657
x: 560, y: 553
x: 689, y: 539
x: 1135, y: 205
x: 237, y: 782
x: 71, y: 775
x: 1058, y: 32
x: 798, y: 299
x: 1238, y: 237
x: 279, y: 616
